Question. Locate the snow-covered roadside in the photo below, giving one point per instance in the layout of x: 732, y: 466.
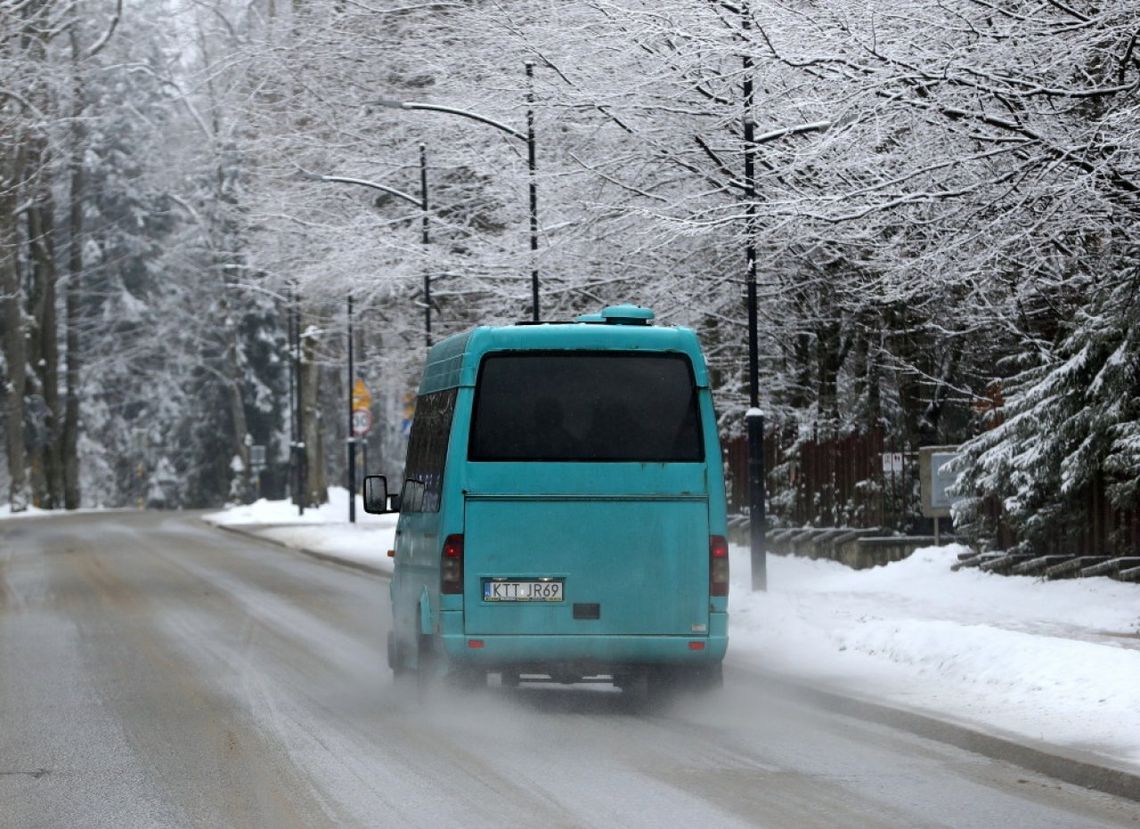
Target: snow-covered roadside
x: 1056, y: 662
x: 324, y: 530
x: 36, y: 512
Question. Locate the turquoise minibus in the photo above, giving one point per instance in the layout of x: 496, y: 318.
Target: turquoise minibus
x: 562, y: 515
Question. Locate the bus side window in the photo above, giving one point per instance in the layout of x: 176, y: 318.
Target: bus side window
x: 427, y: 452
x: 412, y: 496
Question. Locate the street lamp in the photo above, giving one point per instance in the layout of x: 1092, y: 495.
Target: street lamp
x: 422, y: 203
x: 351, y: 439
x: 527, y: 137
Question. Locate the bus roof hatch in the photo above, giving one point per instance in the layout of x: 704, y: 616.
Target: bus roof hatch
x: 620, y: 315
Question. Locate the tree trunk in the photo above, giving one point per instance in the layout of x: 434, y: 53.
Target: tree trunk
x: 18, y: 125
x: 14, y: 354
x: 867, y: 385
x: 78, y: 184
x: 35, y: 409
x: 800, y: 371
x: 907, y: 379
x: 44, y: 356
x: 70, y: 445
x: 829, y: 354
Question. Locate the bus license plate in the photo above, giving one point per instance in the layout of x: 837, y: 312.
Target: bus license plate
x: 541, y: 590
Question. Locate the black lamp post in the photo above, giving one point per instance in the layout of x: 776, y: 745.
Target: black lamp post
x: 351, y: 440
x: 292, y: 400
x: 426, y: 241
x: 754, y: 419
x: 532, y: 162
x: 422, y: 203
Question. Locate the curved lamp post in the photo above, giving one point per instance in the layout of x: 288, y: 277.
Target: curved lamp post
x: 527, y: 137
x: 422, y: 203
x: 754, y: 419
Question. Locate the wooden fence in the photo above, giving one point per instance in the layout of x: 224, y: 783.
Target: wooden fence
x: 845, y: 482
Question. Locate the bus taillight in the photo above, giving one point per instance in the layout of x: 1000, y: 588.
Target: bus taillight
x: 718, y: 566
x: 451, y: 565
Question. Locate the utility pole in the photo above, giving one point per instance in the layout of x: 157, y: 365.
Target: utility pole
x: 531, y: 155
x: 422, y: 204
x: 527, y: 137
x: 302, y: 492
x: 292, y: 480
x: 351, y: 433
x: 426, y: 240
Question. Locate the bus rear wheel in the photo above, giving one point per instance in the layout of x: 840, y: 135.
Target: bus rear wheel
x: 642, y: 687
x: 695, y: 680
x: 427, y: 667
x: 397, y: 659
x: 467, y: 679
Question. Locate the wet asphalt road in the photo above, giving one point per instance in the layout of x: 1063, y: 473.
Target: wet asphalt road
x: 158, y: 672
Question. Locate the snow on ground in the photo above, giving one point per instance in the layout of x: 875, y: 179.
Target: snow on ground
x: 1055, y: 662
x: 324, y: 530
x: 36, y: 512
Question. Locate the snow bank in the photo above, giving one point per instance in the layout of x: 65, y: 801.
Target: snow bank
x: 1053, y: 661
x: 324, y: 529
x: 36, y: 512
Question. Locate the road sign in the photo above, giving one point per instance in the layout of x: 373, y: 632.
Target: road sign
x: 892, y: 463
x: 257, y: 457
x: 935, y: 480
x: 941, y: 480
x: 361, y: 397
x: 409, y: 414
x: 361, y: 422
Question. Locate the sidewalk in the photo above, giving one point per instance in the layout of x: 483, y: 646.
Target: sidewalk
x: 1054, y: 666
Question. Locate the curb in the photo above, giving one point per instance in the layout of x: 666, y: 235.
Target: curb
x: 325, y: 557
x: 1053, y: 761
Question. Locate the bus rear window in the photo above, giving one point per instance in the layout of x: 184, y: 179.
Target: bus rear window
x: 586, y: 406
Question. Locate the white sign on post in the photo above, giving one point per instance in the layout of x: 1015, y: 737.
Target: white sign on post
x: 941, y: 480
x: 892, y: 463
x: 935, y: 479
x: 361, y: 422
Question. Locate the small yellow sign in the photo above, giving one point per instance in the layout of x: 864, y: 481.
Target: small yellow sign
x: 361, y: 397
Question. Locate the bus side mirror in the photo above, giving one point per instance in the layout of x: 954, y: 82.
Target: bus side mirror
x: 376, y: 495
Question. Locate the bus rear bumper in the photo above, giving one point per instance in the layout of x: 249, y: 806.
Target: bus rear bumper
x: 590, y: 653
